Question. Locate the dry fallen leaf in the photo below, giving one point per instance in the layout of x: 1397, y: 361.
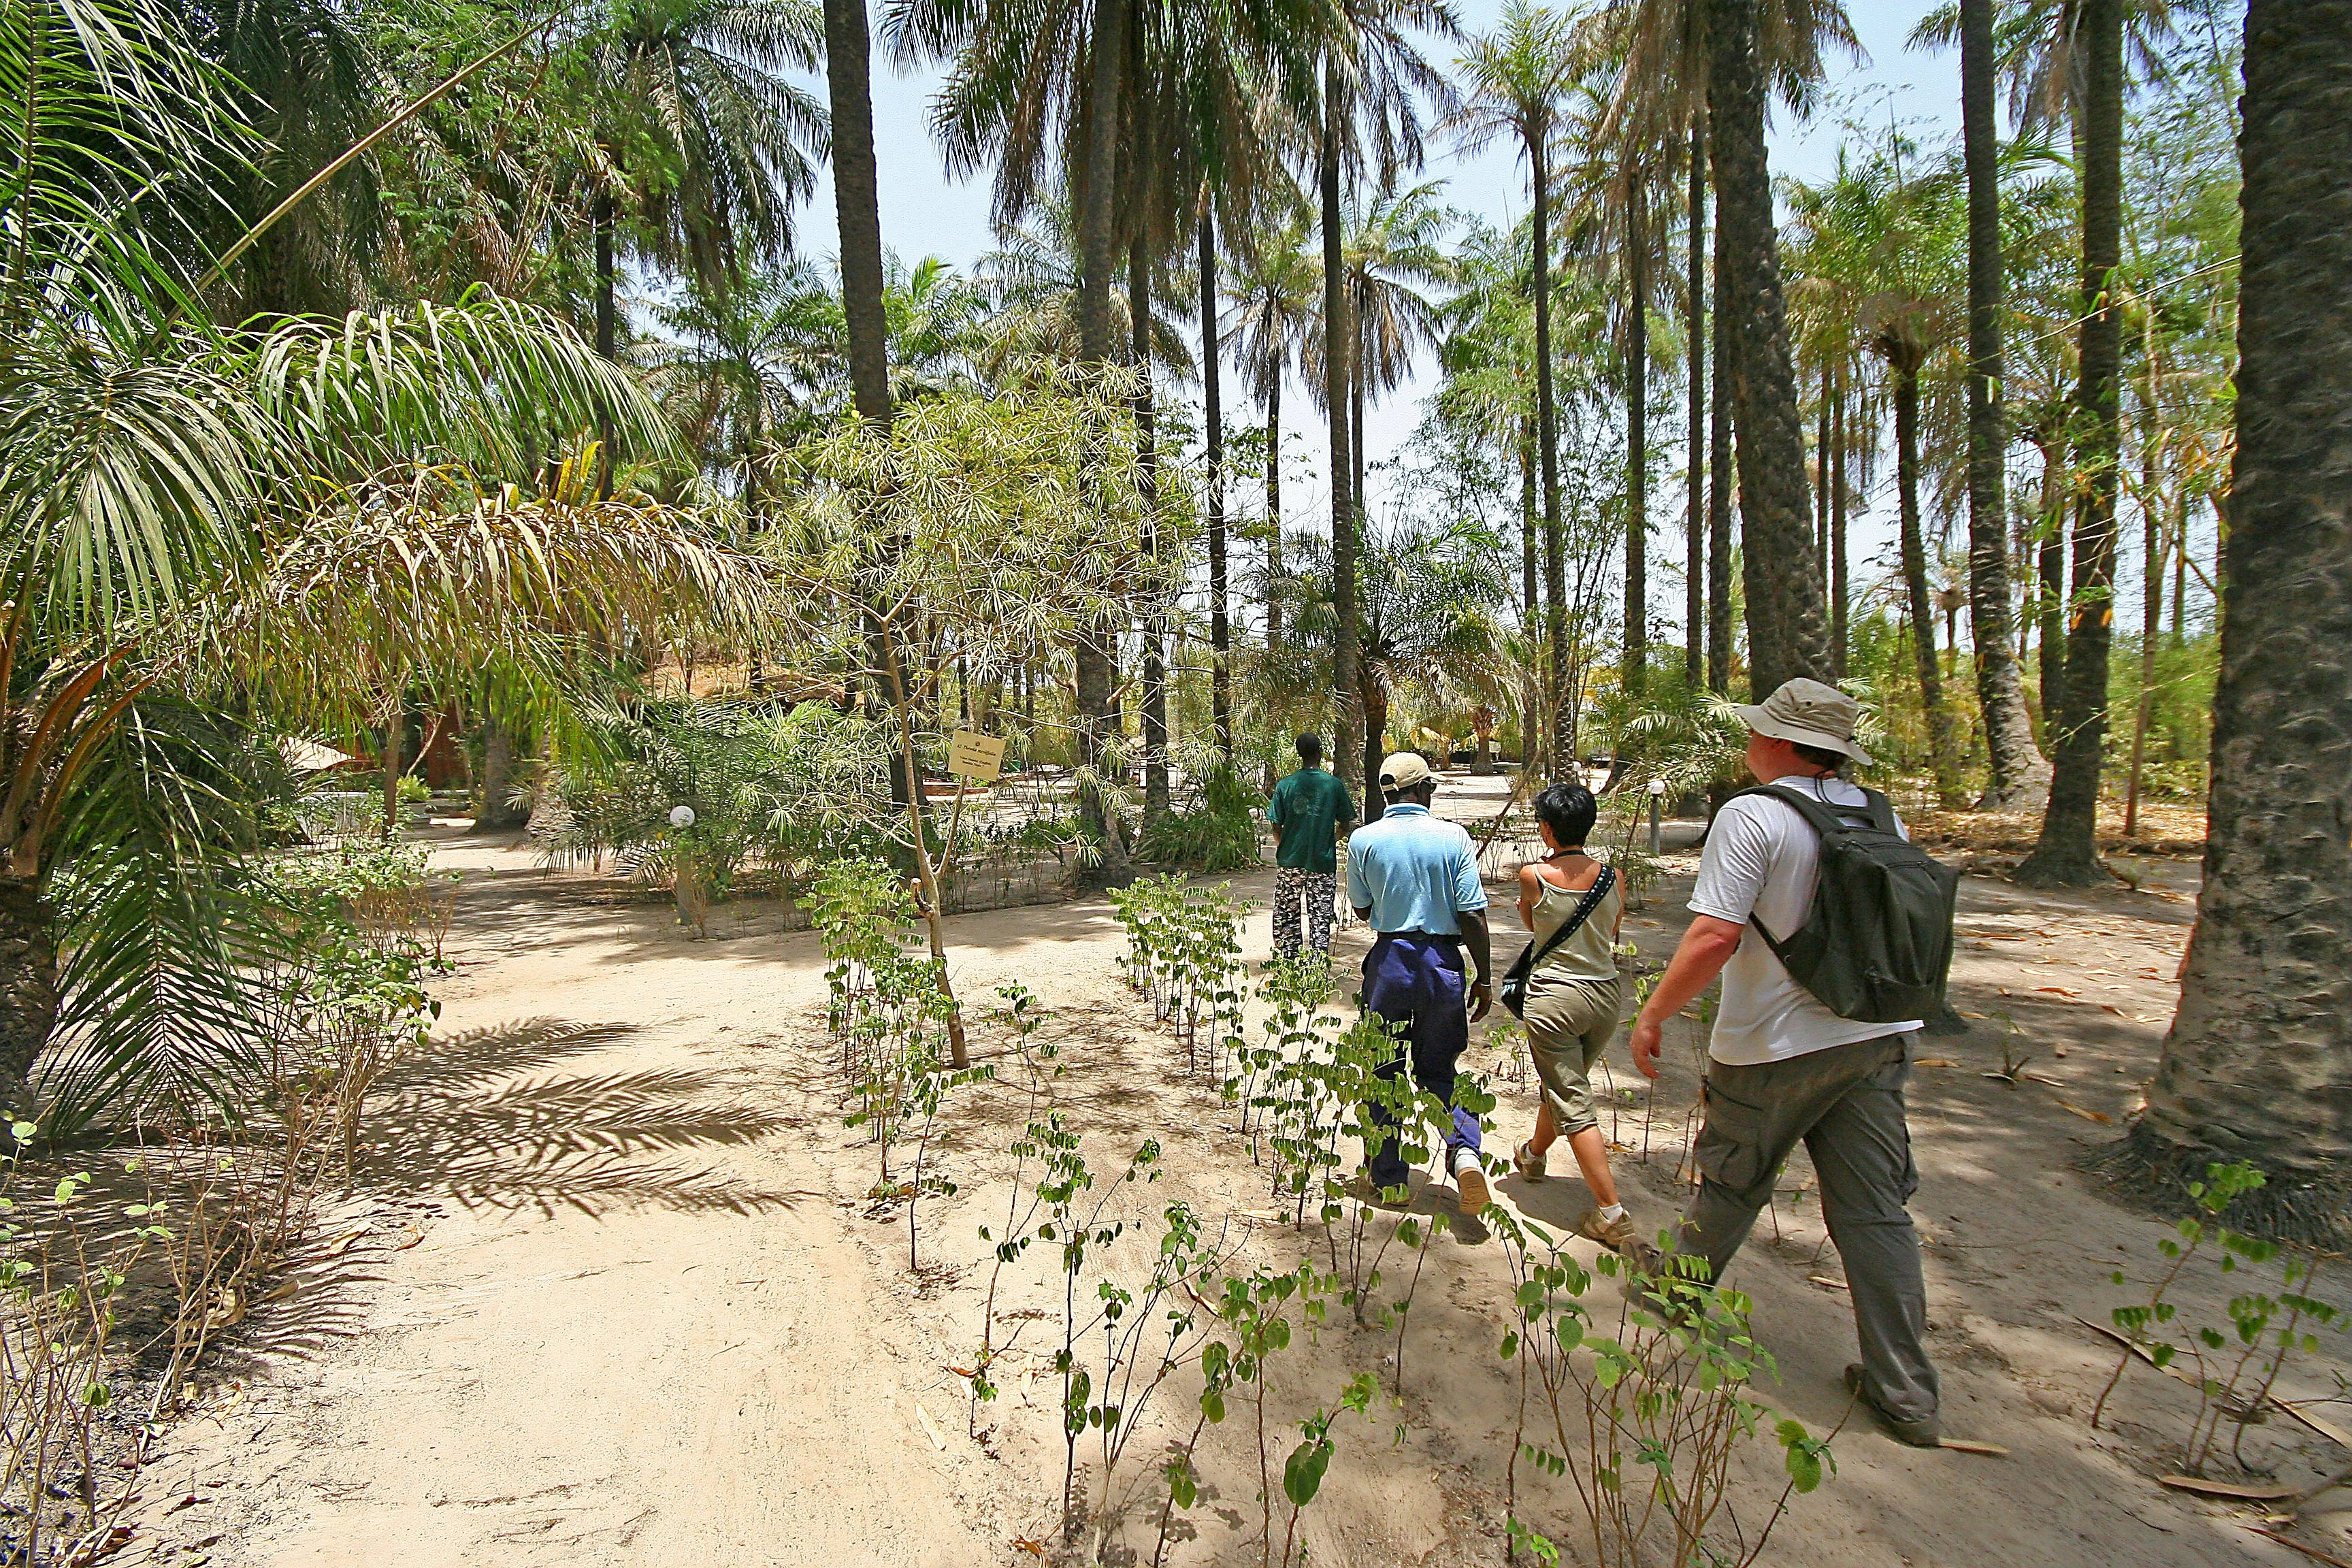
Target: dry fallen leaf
x: 2058, y: 990
x: 2098, y: 1116
x: 409, y: 1237
x: 1970, y: 1446
x: 1931, y: 1062
x: 1826, y: 1283
x: 931, y: 1430
x: 341, y: 1244
x: 290, y: 1287
x: 1035, y: 1548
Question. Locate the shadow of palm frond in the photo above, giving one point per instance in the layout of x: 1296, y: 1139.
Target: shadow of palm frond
x: 477, y: 1115
x: 477, y: 1058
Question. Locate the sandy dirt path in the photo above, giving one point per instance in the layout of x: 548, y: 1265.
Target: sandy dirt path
x: 623, y: 1298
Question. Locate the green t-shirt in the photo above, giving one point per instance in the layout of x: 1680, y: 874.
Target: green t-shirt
x: 1309, y: 804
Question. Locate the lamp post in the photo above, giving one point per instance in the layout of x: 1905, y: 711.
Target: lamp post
x: 1657, y: 794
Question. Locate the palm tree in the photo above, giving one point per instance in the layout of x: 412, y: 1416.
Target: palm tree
x: 1274, y: 302
x: 2067, y: 852
x: 1374, y: 82
x: 1883, y: 246
x: 1519, y: 78
x: 1430, y: 593
x: 697, y: 80
x: 2254, y: 1066
x: 1787, y: 632
x: 2020, y: 776
x: 156, y: 478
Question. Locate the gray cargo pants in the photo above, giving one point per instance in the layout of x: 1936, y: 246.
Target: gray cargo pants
x: 1847, y: 1103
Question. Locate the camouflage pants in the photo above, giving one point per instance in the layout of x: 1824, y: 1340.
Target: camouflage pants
x: 1317, y: 890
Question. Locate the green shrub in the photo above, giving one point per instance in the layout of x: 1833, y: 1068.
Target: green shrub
x: 1215, y: 830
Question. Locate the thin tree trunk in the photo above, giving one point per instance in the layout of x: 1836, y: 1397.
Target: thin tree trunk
x: 1273, y: 515
x: 2259, y: 1062
x: 2067, y: 852
x: 29, y: 984
x: 1548, y: 462
x: 1787, y: 634
x: 396, y: 736
x: 1531, y: 725
x: 1840, y: 589
x: 1821, y: 492
x: 1220, y: 712
x: 1720, y: 483
x: 1096, y: 643
x: 1694, y: 460
x: 607, y: 330
x: 857, y: 215
x: 2151, y: 607
x: 1914, y: 583
x: 1155, y: 622
x: 1634, y: 674
x: 2018, y: 777
x: 2050, y: 587
x: 1339, y: 338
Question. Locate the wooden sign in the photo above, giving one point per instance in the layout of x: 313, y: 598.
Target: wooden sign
x: 977, y: 757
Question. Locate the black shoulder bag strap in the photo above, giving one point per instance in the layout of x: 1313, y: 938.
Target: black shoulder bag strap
x: 1513, y: 986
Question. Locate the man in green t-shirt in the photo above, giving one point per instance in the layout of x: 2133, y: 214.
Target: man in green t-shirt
x: 1308, y: 809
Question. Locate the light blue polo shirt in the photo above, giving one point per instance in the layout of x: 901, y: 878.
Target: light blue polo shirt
x: 1413, y: 871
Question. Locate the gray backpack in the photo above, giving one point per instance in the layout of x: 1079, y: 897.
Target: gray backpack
x: 1877, y: 943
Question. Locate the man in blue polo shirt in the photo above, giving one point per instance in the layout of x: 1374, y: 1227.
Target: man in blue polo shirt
x: 1414, y: 878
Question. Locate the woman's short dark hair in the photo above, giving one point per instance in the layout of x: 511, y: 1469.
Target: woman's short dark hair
x: 1567, y: 809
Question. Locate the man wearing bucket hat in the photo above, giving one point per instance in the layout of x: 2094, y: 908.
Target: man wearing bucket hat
x: 1414, y: 879
x: 1782, y: 1067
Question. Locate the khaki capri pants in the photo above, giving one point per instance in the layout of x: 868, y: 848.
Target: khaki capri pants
x: 1569, y: 1024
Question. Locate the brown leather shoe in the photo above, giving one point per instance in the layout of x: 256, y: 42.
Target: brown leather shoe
x: 1619, y: 1236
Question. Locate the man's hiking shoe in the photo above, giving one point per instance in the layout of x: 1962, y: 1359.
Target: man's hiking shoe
x: 1927, y: 1434
x: 1528, y: 1164
x: 1619, y: 1236
x: 1469, y: 1181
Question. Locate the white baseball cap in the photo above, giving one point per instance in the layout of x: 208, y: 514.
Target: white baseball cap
x: 1404, y: 769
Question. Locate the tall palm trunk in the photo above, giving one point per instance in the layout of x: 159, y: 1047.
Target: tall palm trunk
x: 1274, y: 513
x: 857, y: 212
x: 1547, y: 463
x: 2151, y: 605
x: 1221, y: 709
x: 607, y: 329
x: 1787, y: 634
x: 1637, y: 442
x: 2050, y: 585
x: 1097, y: 645
x: 1720, y: 482
x: 2259, y: 1062
x: 1155, y: 623
x: 1840, y: 589
x: 1339, y: 338
x: 1822, y: 420
x: 1914, y: 582
x: 2019, y: 776
x: 1694, y: 463
x: 2067, y: 852
x: 28, y: 984
x: 1531, y: 728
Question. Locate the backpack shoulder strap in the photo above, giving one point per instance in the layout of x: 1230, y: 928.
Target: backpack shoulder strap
x: 1882, y: 813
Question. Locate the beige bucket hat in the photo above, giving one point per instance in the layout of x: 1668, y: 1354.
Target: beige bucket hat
x: 1807, y: 713
x: 1404, y: 769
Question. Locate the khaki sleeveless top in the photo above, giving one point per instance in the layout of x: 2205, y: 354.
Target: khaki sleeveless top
x: 1585, y: 955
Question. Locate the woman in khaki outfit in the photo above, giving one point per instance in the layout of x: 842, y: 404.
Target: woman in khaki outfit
x: 1575, y: 1000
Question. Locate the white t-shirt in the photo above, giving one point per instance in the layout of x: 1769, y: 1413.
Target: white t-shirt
x: 1762, y: 858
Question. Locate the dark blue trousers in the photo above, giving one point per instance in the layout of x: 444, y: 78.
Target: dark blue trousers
x: 1415, y: 983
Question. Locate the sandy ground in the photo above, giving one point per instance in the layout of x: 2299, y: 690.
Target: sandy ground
x: 623, y: 1298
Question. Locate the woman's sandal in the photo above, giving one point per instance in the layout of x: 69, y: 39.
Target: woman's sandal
x: 1528, y: 1164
